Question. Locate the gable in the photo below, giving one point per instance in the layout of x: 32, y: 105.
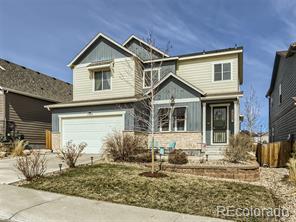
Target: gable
x: 142, y: 50
x: 101, y: 50
x: 174, y: 87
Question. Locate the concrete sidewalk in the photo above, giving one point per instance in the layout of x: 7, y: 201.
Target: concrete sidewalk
x: 28, y: 205
x: 9, y: 173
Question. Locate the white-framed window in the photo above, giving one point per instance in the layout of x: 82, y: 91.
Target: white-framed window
x: 179, y: 119
x: 102, y: 80
x: 172, y: 119
x: 164, y: 117
x: 280, y: 94
x: 222, y: 71
x: 149, y: 78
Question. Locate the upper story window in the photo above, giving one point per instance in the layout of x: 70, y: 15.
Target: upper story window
x: 149, y: 78
x: 222, y: 71
x: 280, y: 94
x: 102, y: 80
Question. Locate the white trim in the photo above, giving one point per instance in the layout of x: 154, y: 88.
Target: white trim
x: 1, y: 67
x: 145, y: 43
x: 89, y: 114
x: 168, y: 101
x: 149, y: 70
x: 236, y: 117
x: 222, y: 62
x: 235, y: 96
x: 180, y: 79
x: 227, y: 119
x: 93, y: 40
x: 97, y: 67
x: 204, y: 122
x: 210, y: 55
x: 92, y: 103
x: 161, y: 59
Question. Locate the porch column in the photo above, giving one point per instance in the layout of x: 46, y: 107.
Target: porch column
x: 204, y: 121
x: 236, y: 117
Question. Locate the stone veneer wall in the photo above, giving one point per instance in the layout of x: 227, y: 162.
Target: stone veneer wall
x: 56, y: 141
x: 184, y: 140
x: 245, y: 173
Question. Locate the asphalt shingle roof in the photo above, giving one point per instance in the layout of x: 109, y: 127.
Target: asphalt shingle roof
x: 28, y: 81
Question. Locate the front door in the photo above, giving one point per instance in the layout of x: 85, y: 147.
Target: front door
x: 219, y: 124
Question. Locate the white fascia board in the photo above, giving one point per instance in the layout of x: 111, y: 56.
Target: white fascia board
x: 161, y: 60
x: 93, y: 40
x: 210, y: 55
x: 92, y: 103
x: 145, y: 43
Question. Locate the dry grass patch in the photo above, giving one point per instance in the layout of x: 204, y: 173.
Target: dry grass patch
x: 180, y: 193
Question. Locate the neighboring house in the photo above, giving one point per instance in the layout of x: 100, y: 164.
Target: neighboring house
x: 281, y: 94
x: 109, y: 82
x: 261, y: 137
x: 23, y: 95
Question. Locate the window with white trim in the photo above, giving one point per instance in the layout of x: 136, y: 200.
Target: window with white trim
x: 280, y: 94
x: 172, y: 119
x: 164, y: 116
x: 222, y: 71
x: 149, y: 78
x: 179, y: 119
x: 102, y: 80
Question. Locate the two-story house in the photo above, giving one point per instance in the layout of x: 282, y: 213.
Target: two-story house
x: 110, y: 79
x: 282, y: 96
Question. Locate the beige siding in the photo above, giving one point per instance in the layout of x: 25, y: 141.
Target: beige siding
x: 199, y: 72
x: 123, y: 82
x: 2, y: 112
x: 138, y: 78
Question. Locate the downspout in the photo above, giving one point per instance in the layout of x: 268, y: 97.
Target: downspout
x: 4, y: 110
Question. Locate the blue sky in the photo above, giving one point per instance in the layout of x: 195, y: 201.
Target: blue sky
x: 46, y: 34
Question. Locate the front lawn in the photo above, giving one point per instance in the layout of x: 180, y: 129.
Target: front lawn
x: 180, y: 193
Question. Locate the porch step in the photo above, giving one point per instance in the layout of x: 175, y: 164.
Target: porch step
x: 215, y: 152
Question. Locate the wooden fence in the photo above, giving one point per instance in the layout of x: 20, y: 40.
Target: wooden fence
x: 48, y: 139
x: 274, y: 154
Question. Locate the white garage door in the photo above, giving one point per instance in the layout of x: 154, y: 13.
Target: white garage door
x: 91, y: 130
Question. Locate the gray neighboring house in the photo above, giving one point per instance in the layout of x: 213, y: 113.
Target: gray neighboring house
x: 282, y: 96
x: 108, y: 83
x: 23, y: 95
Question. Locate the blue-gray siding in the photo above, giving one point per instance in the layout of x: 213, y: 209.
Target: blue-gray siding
x: 142, y: 50
x: 283, y: 116
x: 102, y: 50
x: 173, y: 87
x: 129, y: 116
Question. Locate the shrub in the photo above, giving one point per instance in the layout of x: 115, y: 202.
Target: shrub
x: 19, y: 147
x: 71, y: 152
x: 292, y: 170
x: 238, y: 148
x: 125, y: 147
x: 145, y: 157
x: 177, y: 157
x: 32, y: 166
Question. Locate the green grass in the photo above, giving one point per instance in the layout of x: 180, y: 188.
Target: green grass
x: 178, y: 192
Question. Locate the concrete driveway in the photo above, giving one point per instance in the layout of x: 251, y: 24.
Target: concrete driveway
x: 9, y: 173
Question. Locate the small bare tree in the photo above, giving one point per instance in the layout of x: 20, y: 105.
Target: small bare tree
x: 252, y: 109
x: 32, y: 166
x: 145, y: 113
